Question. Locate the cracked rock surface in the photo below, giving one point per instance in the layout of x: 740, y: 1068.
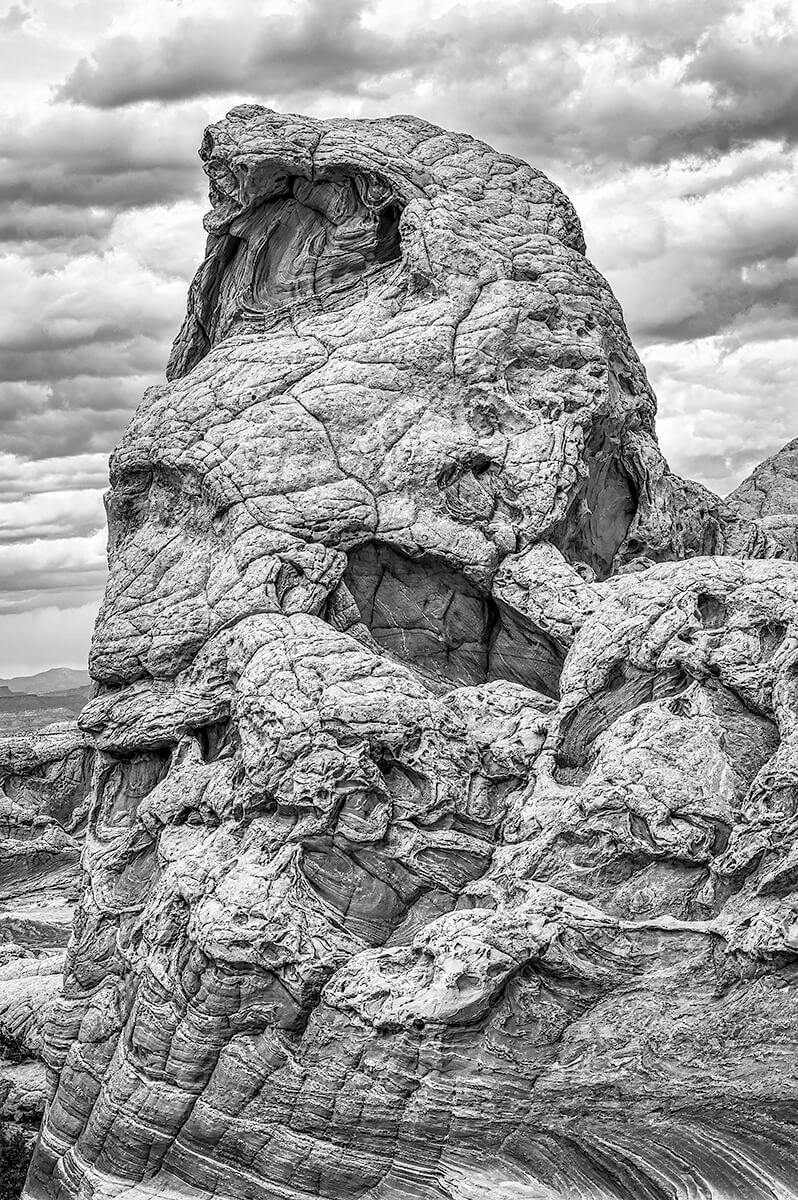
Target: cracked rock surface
x: 441, y: 836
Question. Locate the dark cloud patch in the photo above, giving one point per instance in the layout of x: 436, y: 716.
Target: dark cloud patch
x: 49, y: 433
x: 46, y: 363
x: 720, y: 262
x: 85, y: 337
x: 206, y: 56
x: 15, y: 18
x: 65, y: 572
x: 79, y: 183
x: 71, y: 416
x: 72, y: 229
x: 319, y: 50
x: 65, y: 174
x: 710, y: 314
x: 754, y: 83
x: 737, y: 171
x: 70, y: 336
x: 767, y: 295
x: 534, y: 74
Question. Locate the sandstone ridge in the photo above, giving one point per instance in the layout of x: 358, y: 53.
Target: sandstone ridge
x: 442, y: 818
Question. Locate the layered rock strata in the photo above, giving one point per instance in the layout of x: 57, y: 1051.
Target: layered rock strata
x: 44, y: 798
x: 442, y: 818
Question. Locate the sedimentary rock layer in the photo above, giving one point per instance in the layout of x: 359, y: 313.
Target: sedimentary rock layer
x: 442, y: 817
x: 44, y: 787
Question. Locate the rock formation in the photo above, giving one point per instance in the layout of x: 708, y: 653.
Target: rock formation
x: 441, y: 839
x: 44, y: 787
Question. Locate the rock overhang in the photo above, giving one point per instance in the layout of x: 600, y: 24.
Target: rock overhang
x: 249, y: 155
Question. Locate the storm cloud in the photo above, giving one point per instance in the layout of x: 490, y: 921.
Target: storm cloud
x: 622, y: 82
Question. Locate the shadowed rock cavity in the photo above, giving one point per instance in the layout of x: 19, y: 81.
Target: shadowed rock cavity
x: 321, y: 240
x: 311, y: 240
x: 603, y: 508
x: 425, y: 614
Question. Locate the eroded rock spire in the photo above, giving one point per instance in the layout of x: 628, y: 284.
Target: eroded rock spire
x: 440, y: 840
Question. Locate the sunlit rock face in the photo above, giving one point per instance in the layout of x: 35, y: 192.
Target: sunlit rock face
x: 442, y: 821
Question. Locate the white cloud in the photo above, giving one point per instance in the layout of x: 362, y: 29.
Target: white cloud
x: 21, y: 477
x: 108, y: 296
x: 52, y: 515
x: 723, y: 410
x: 65, y: 572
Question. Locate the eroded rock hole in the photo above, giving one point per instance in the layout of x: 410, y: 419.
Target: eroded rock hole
x: 711, y: 610
x: 599, y: 518
x: 387, y: 245
x: 469, y: 488
x: 321, y: 239
x: 626, y: 688
x: 311, y: 239
x: 214, y: 740
x: 125, y: 780
x: 425, y: 613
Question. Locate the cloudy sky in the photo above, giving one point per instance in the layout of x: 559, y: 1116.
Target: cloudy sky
x: 672, y: 124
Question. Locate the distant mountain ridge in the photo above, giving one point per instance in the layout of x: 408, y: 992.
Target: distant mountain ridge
x: 47, y: 683
x: 29, y: 702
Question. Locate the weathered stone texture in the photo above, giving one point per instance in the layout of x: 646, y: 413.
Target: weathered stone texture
x: 442, y: 819
x: 44, y: 798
